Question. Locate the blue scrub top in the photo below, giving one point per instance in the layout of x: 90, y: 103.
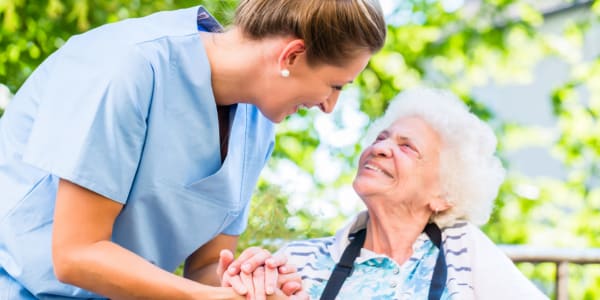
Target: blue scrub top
x: 127, y: 111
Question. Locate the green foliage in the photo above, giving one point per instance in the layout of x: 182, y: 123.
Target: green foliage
x: 429, y: 43
x: 32, y: 31
x: 268, y: 224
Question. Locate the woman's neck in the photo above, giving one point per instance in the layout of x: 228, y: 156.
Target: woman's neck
x: 238, y: 65
x: 393, y: 234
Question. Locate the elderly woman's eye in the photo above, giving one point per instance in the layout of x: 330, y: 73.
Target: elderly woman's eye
x: 408, y: 146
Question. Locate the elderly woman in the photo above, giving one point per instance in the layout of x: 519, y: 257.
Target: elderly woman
x: 429, y: 176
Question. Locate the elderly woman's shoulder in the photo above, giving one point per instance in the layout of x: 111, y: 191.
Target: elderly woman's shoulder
x: 467, y: 237
x: 463, y: 229
x: 320, y: 245
x: 468, y: 248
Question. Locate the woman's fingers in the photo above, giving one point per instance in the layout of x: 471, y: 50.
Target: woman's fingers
x: 271, y: 276
x: 248, y: 282
x: 300, y: 295
x: 227, y: 280
x: 255, y: 261
x: 258, y: 274
x: 235, y: 267
x: 225, y: 259
x: 249, y: 260
x: 276, y: 261
x: 258, y: 279
x: 291, y: 288
x: 287, y: 269
x: 290, y: 283
x: 272, y: 272
x: 236, y: 283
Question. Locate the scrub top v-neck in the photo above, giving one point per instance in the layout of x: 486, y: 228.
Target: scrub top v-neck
x: 127, y: 111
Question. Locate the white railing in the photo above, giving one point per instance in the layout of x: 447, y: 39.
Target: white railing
x: 562, y: 257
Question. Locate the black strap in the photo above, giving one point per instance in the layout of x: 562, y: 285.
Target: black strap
x: 343, y: 269
x: 440, y: 271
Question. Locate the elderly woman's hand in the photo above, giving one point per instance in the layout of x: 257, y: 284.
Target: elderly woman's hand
x: 257, y: 274
x: 256, y: 286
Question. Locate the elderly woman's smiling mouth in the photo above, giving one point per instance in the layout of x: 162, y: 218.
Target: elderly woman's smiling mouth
x: 370, y: 166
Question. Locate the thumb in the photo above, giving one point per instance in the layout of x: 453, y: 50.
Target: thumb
x: 301, y: 295
x: 225, y: 259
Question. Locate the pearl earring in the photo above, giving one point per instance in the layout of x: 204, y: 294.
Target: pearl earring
x: 285, y: 73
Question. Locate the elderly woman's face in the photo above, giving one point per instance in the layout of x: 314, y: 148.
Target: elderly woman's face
x: 402, y: 164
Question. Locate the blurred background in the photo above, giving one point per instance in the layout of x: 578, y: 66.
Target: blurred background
x: 530, y: 68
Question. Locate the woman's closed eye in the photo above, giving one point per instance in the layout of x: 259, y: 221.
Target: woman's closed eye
x: 409, y: 148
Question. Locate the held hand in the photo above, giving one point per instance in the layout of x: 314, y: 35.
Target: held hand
x: 252, y: 285
x: 273, y: 273
x: 289, y: 281
x: 227, y: 280
x: 301, y: 295
x: 250, y: 260
x: 256, y: 286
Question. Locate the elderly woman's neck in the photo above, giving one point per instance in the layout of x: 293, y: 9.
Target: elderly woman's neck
x: 393, y: 236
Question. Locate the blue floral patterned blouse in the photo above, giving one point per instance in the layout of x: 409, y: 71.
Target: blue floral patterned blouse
x: 375, y: 276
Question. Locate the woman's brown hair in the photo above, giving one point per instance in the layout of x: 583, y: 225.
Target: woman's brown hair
x: 333, y: 31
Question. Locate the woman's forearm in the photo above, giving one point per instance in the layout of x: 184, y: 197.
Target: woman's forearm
x: 112, y: 271
x: 206, y: 275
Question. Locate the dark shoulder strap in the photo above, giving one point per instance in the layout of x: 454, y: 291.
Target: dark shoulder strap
x: 344, y: 268
x: 206, y: 22
x: 440, y: 272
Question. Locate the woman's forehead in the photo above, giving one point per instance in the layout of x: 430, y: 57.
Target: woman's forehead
x: 414, y: 128
x: 411, y: 124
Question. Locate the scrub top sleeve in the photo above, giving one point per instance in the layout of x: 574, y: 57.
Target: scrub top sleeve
x: 240, y: 223
x: 91, y: 123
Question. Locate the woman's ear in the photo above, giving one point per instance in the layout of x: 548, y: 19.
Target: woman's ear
x: 290, y: 53
x: 439, y: 204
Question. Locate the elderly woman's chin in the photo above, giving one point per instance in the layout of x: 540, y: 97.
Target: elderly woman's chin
x: 365, y: 188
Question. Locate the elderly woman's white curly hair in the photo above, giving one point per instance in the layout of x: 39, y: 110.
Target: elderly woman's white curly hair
x: 470, y: 172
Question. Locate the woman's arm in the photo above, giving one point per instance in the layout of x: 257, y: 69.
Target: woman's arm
x: 83, y: 254
x: 210, y: 263
x: 201, y: 266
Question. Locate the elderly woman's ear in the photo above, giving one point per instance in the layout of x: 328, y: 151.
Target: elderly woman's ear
x: 439, y: 204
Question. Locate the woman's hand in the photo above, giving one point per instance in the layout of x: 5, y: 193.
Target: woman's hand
x: 257, y: 274
x: 255, y: 284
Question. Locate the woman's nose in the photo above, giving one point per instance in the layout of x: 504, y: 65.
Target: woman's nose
x: 329, y: 104
x: 382, y: 148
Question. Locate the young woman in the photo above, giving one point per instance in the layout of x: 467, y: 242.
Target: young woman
x: 136, y: 146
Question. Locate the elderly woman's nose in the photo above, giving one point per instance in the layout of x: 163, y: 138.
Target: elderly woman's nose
x: 382, y: 147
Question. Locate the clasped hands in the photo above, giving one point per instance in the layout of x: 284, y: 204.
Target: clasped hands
x: 259, y: 275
